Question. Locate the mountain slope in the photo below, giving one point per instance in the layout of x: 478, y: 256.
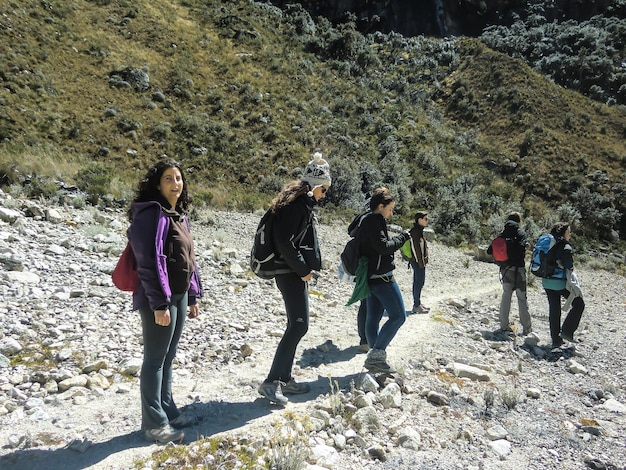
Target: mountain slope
x: 242, y: 92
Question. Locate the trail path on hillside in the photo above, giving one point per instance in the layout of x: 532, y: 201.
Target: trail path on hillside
x: 103, y: 432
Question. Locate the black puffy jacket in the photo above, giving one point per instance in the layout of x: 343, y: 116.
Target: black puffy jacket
x: 377, y: 246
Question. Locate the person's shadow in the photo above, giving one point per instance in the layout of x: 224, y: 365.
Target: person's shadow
x: 539, y: 352
x: 326, y: 353
x: 214, y: 417
x: 550, y: 354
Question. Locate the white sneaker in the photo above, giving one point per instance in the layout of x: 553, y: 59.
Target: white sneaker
x: 164, y: 434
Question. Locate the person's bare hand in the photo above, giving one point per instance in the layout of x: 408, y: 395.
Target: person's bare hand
x: 194, y: 311
x: 162, y: 317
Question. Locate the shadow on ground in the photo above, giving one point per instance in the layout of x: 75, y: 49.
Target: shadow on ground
x: 326, y: 353
x: 213, y: 418
x: 539, y: 352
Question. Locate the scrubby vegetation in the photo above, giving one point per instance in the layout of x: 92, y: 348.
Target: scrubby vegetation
x: 585, y: 56
x: 242, y: 93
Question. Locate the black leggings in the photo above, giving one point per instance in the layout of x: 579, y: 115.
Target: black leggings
x: 570, y: 325
x: 296, y: 296
x: 360, y: 321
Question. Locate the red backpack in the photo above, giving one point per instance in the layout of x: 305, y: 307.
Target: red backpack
x: 499, y: 249
x: 125, y: 275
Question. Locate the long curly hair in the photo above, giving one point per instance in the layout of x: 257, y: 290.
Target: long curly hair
x: 289, y: 193
x: 147, y: 189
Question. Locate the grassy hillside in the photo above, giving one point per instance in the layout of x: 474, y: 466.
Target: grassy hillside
x: 242, y: 93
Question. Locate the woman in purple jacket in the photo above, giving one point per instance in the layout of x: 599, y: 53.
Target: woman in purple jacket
x: 169, y: 287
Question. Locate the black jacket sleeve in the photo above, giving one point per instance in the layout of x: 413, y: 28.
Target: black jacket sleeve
x: 377, y: 246
x: 290, y: 222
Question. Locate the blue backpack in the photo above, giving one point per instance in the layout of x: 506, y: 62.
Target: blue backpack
x: 544, y: 258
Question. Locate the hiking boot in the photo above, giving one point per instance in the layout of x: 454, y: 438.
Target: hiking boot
x: 273, y: 392
x: 568, y: 337
x: 376, y: 362
x: 527, y: 331
x: 164, y: 434
x: 557, y: 343
x: 421, y: 309
x: 363, y: 347
x: 182, y: 421
x: 506, y: 333
x: 294, y: 388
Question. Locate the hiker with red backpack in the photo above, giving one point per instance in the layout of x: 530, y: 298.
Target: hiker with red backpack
x: 509, y: 251
x: 168, y: 291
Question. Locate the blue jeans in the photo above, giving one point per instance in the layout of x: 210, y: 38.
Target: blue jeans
x: 159, y: 349
x: 419, y: 277
x: 296, y: 296
x: 384, y: 296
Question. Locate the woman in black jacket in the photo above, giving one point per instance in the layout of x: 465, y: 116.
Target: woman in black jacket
x: 419, y: 260
x: 560, y: 285
x: 298, y: 257
x: 379, y: 248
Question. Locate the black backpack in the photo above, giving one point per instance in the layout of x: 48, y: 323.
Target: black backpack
x: 263, y: 254
x: 350, y: 257
x: 350, y: 254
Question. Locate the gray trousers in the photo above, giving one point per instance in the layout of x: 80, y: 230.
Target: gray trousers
x: 514, y: 279
x: 159, y: 349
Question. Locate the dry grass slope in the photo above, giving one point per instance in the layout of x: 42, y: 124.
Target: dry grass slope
x: 553, y: 134
x: 247, y: 92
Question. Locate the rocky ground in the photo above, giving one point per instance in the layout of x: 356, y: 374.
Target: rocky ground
x: 464, y: 398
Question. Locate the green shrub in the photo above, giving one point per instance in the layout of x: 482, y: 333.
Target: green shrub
x: 40, y: 186
x: 598, y: 217
x: 584, y: 56
x: 94, y: 179
x: 457, y: 209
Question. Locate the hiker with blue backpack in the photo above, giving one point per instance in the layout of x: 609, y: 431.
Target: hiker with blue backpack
x: 511, y: 259
x: 296, y: 262
x: 557, y: 266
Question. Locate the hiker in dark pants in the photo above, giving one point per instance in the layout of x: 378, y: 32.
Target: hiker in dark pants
x: 419, y: 260
x: 168, y: 291
x: 297, y: 258
x: 513, y: 274
x: 563, y: 284
x: 360, y: 323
